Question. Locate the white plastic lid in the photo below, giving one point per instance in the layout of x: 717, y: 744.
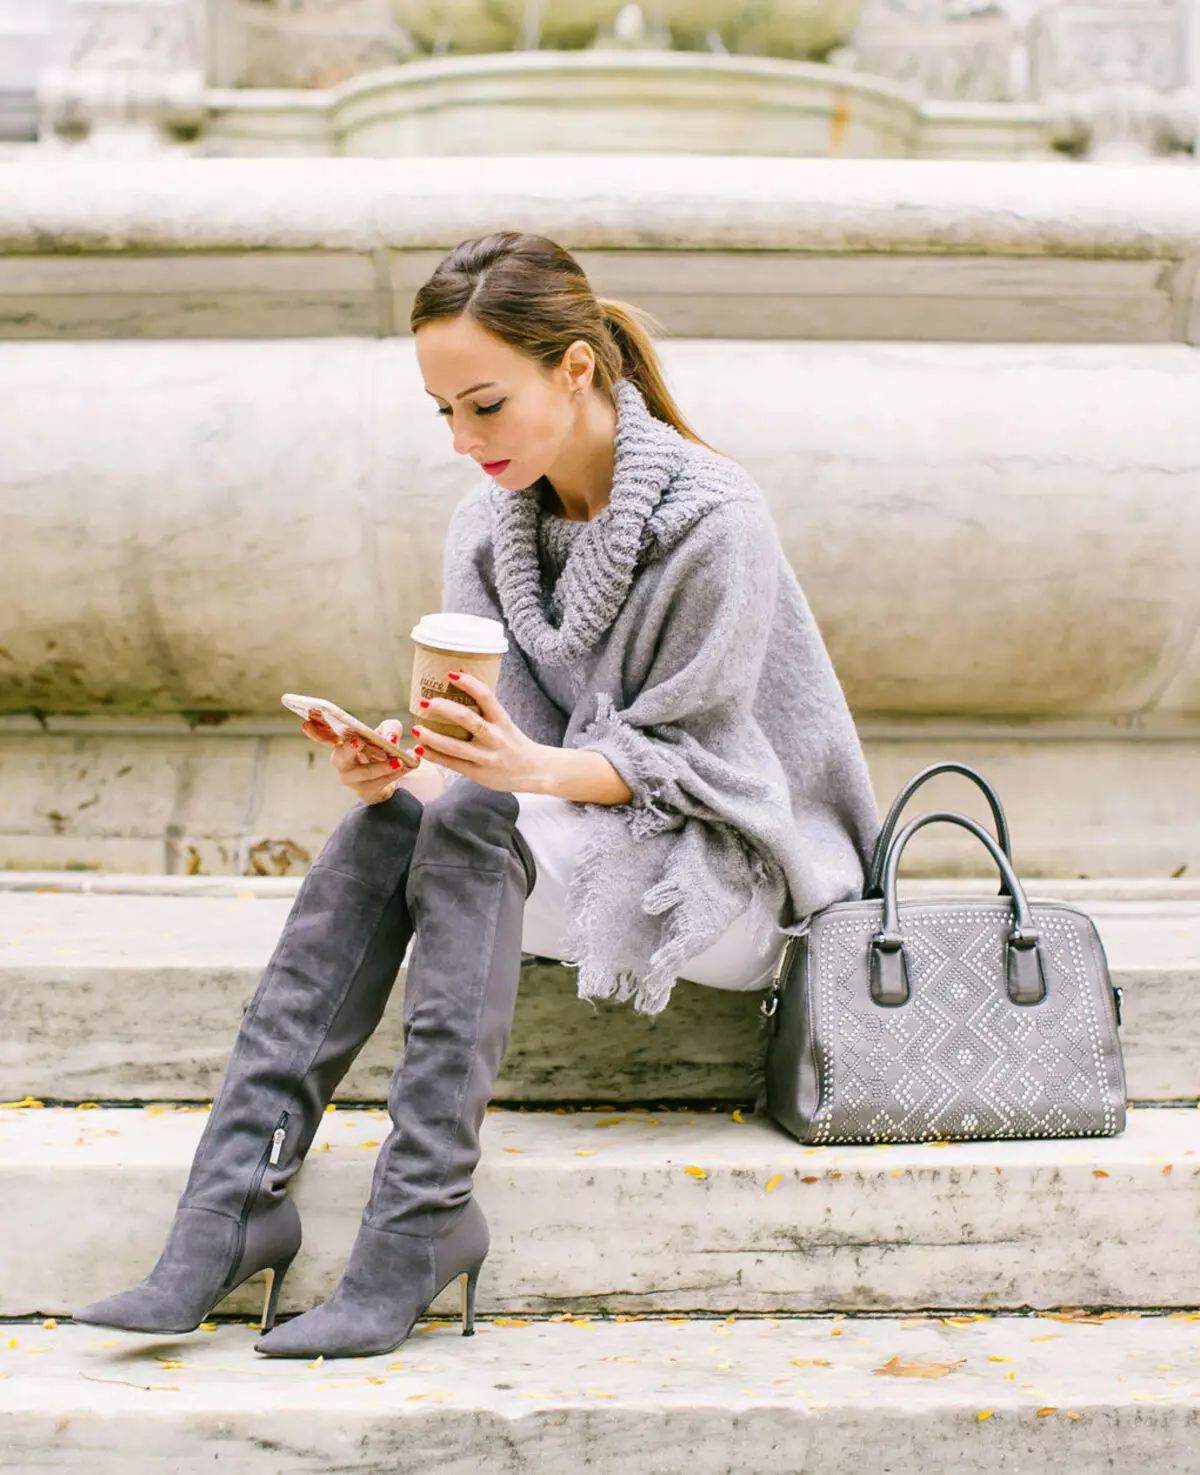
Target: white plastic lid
x: 470, y: 635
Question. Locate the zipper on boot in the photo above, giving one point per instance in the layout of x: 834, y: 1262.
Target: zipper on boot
x: 277, y: 1141
x: 270, y: 1156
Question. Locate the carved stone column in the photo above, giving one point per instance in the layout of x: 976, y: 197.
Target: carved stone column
x: 1115, y: 77
x: 131, y: 80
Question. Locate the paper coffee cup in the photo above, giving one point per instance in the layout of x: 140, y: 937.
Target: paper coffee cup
x: 446, y: 642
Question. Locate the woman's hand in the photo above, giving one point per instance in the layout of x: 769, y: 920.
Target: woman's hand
x: 369, y: 771
x: 499, y: 755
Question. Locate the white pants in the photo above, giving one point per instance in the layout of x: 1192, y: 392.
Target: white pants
x: 552, y: 829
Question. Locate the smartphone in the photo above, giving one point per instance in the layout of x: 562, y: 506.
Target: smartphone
x: 343, y: 723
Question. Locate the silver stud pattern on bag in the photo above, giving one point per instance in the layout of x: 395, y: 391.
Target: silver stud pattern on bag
x: 959, y: 1060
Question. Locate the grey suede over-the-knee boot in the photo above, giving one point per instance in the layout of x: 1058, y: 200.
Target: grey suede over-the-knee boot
x: 470, y: 877
x: 320, y: 997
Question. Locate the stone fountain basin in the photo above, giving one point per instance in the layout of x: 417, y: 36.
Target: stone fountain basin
x: 580, y: 102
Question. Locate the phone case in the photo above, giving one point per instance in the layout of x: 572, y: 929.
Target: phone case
x: 343, y: 722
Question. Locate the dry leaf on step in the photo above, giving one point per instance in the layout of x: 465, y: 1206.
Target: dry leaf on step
x: 896, y: 1367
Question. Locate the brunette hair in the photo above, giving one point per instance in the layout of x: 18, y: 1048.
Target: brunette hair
x: 534, y: 294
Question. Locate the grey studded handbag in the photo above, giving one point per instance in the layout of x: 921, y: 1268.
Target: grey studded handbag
x: 944, y: 1019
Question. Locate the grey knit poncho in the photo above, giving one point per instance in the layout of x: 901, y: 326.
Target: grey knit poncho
x: 669, y: 633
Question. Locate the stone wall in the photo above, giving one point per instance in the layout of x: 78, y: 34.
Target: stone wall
x: 968, y: 394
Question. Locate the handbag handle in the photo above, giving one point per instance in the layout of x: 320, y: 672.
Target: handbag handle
x: 874, y: 886
x: 1024, y: 968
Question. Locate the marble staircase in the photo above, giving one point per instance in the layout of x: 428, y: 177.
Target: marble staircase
x: 674, y: 1283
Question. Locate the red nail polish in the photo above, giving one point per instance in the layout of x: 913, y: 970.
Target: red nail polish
x: 454, y: 675
x: 416, y: 732
x: 424, y: 703
x: 394, y: 762
x: 420, y: 752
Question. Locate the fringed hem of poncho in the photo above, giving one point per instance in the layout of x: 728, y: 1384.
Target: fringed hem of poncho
x: 683, y: 912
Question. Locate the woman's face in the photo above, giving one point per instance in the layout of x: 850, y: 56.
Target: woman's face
x: 504, y: 409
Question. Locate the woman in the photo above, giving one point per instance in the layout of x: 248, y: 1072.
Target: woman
x: 665, y: 783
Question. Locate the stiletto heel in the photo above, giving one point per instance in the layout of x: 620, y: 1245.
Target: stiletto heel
x: 273, y: 1284
x: 469, y: 1281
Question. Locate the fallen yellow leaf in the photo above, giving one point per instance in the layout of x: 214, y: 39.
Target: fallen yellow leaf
x: 511, y: 1321
x: 49, y: 1325
x: 895, y: 1367
x: 773, y: 1183
x: 1042, y: 1412
x: 695, y: 1172
x: 738, y: 1117
x: 987, y: 1413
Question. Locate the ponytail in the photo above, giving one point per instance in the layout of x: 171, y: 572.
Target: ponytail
x: 630, y: 328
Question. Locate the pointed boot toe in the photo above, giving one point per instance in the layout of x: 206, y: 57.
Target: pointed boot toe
x: 390, y: 1280
x: 139, y: 1310
x: 317, y: 1333
x: 207, y: 1255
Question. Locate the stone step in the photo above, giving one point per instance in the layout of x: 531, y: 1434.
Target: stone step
x: 137, y: 997
x: 1005, y: 1394
x: 670, y: 1211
